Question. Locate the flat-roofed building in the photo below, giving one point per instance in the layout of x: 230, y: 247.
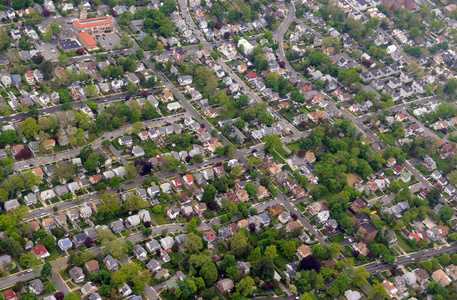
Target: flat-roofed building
x: 95, y: 25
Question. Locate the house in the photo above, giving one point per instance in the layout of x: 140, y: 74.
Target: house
x: 153, y: 265
x: 390, y: 288
x: 209, y: 236
x: 364, y: 221
x: 36, y: 286
x: 162, y: 273
x: 117, y: 226
x: 200, y: 208
x: 125, y: 290
x: 398, y: 170
x: 167, y: 242
x: 291, y: 226
x: 224, y: 285
x: 152, y: 246
x: 284, y: 217
x: 133, y: 221
x: 125, y: 141
x: 77, y: 274
x: 40, y: 250
x: 185, y: 80
x: 173, y: 106
x: 303, y: 251
x: 139, y: 252
x: 429, y: 163
x: 352, y: 295
x: 441, y: 278
x: 11, y: 204
x: 91, y: 266
x: 421, y: 275
x: 30, y: 199
x: 9, y: 295
x: 88, y: 289
x: 65, y: 244
x: 224, y: 233
x: 451, y: 271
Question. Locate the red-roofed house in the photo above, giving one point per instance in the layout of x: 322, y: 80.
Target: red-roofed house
x: 251, y: 75
x: 209, y: 236
x: 29, y: 78
x: 188, y: 180
x: 40, y: 250
x: 400, y: 117
x: 9, y: 295
x: 176, y: 183
x: 398, y: 170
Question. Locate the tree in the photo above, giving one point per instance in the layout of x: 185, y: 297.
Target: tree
x: 446, y: 213
x: 114, y: 182
x: 49, y: 287
x: 29, y: 260
x: 238, y: 244
x: 377, y: 292
x: 46, y: 271
x: 129, y: 272
x: 193, y: 242
x: 134, y: 203
x: 14, y: 247
x: 445, y: 259
x: 270, y: 252
x: 192, y: 225
x: 29, y: 296
x: 71, y: 296
x: 310, y: 263
x: 264, y: 268
x: 360, y: 234
x: 246, y: 286
x: 29, y: 128
x: 209, y: 273
x: 49, y: 242
x: 360, y: 276
x: 272, y: 142
x: 289, y: 248
x: 59, y: 295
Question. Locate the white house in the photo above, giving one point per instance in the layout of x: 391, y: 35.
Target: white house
x: 185, y: 80
x: 247, y: 47
x: 173, y: 106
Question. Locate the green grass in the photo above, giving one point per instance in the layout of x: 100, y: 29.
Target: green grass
x: 403, y: 243
x: 176, y: 257
x: 221, y: 249
x: 293, y: 146
x: 282, y: 261
x: 338, y: 238
x: 64, y: 275
x: 282, y: 152
x: 55, y: 254
x: 277, y: 157
x: 160, y: 218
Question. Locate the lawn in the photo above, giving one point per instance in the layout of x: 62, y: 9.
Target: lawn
x: 176, y: 257
x: 282, y: 152
x: 293, y: 146
x: 282, y: 261
x: 338, y: 238
x: 160, y: 218
x: 404, y: 244
x: 221, y: 249
x: 277, y: 157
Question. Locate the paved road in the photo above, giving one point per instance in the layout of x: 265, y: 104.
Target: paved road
x: 405, y: 260
x: 75, y: 151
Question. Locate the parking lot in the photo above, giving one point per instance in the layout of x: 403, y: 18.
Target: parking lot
x: 108, y: 40
x: 48, y: 50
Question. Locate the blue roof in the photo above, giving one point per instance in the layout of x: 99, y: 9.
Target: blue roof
x: 65, y: 244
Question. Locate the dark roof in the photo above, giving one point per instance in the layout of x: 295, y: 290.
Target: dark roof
x: 68, y: 44
x: 369, y: 227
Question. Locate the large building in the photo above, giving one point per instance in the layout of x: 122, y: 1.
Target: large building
x: 94, y: 25
x: 87, y: 41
